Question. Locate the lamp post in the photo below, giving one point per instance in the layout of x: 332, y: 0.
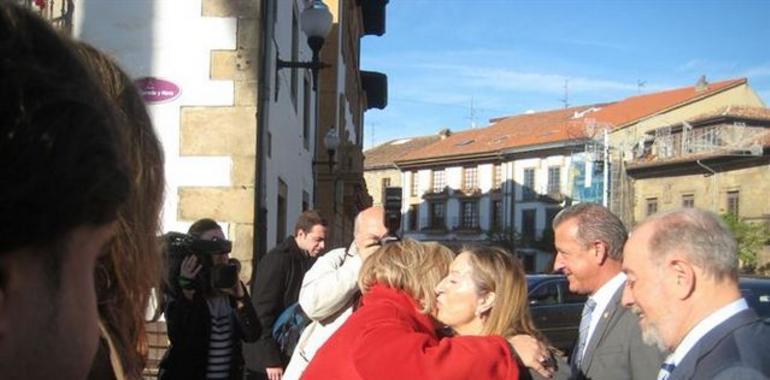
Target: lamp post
x: 316, y: 23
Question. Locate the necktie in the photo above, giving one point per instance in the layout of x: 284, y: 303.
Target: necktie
x: 665, y: 371
x: 585, y: 323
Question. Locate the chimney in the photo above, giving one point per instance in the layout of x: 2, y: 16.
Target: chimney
x: 701, y: 85
x: 444, y: 133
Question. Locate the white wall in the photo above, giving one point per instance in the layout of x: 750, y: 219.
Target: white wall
x: 167, y: 39
x: 289, y: 160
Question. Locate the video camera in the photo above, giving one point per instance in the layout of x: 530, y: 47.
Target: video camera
x: 211, y: 276
x: 392, y: 206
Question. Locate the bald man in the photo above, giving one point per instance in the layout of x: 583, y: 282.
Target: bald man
x: 330, y: 288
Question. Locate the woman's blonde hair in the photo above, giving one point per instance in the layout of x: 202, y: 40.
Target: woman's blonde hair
x: 410, y: 266
x: 495, y: 270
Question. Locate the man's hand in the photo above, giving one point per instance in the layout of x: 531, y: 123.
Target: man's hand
x: 274, y: 373
x: 533, y: 354
x: 370, y: 246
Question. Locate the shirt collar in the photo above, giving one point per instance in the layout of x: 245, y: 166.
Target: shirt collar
x: 703, y: 327
x: 604, y: 295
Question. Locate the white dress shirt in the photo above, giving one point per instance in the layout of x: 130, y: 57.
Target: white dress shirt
x: 602, y: 298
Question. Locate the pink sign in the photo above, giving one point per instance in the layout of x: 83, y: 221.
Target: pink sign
x: 156, y: 90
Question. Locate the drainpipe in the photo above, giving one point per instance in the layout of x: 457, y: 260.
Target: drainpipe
x: 713, y: 175
x: 259, y: 243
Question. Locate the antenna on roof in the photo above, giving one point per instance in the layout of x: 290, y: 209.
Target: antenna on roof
x: 565, y: 100
x: 472, y: 114
x: 639, y: 84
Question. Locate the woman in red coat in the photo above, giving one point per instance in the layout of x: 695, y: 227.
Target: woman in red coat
x: 393, y: 336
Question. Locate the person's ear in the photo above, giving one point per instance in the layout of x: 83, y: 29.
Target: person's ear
x: 681, y: 277
x: 485, y: 303
x: 601, y: 252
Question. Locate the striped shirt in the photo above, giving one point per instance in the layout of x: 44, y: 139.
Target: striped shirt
x: 220, y: 341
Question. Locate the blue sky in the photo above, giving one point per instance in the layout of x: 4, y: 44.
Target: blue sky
x: 507, y: 57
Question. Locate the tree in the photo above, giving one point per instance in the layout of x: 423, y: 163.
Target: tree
x: 751, y: 237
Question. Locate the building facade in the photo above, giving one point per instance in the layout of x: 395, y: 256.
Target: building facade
x: 506, y: 182
x: 346, y: 92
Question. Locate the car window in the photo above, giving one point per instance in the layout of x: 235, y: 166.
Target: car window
x: 568, y: 296
x: 546, y: 293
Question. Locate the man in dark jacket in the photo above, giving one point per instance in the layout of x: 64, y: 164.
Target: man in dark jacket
x: 206, y: 325
x: 277, y: 283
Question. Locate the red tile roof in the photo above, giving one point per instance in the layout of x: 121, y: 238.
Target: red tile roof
x: 739, y: 112
x: 559, y: 125
x: 383, y: 155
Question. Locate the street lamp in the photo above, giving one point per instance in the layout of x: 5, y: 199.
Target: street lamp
x: 331, y: 142
x: 316, y: 23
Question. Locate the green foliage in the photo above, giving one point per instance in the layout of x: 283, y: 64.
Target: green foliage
x: 751, y: 237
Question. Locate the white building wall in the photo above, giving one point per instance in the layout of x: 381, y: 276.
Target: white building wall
x: 289, y: 161
x: 169, y: 40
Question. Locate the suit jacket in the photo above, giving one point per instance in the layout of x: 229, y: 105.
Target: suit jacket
x: 738, y: 348
x: 616, y: 351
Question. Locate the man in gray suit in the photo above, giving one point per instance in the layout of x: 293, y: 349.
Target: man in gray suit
x: 589, y: 250
x: 682, y: 271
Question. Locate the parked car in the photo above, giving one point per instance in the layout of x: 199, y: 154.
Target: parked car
x: 556, y: 311
x: 756, y: 291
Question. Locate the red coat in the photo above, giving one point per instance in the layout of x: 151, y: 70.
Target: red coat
x: 387, y: 338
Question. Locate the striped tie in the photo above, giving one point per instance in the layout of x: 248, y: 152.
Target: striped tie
x: 665, y: 371
x: 585, y: 323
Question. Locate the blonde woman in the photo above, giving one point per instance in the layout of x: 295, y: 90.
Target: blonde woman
x: 392, y: 335
x: 485, y: 293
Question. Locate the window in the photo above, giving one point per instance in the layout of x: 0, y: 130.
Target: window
x: 385, y: 185
x: 470, y: 176
x: 497, y: 214
x: 528, y: 224
x: 307, y: 109
x: 280, y: 214
x: 470, y: 211
x: 497, y: 176
x: 545, y: 294
x: 733, y: 202
x: 688, y: 200
x: 652, y: 206
x: 529, y: 184
x: 554, y: 179
x: 550, y: 213
x: 437, y: 215
x: 415, y: 184
x: 414, y: 214
x: 439, y: 181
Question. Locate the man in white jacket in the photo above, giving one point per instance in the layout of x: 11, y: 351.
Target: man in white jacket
x: 330, y: 288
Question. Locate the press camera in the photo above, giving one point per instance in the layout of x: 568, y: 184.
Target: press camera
x: 211, y: 276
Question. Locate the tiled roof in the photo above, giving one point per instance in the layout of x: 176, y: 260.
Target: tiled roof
x: 515, y: 131
x: 638, y: 107
x: 383, y: 155
x: 559, y: 125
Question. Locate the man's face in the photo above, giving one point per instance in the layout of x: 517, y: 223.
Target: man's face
x: 51, y: 332
x: 313, y: 240
x: 646, y: 292
x: 371, y: 230
x: 576, y: 260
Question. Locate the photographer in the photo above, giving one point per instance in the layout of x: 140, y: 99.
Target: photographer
x: 209, y: 312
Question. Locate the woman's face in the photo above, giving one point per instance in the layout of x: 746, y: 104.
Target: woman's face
x: 458, y: 298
